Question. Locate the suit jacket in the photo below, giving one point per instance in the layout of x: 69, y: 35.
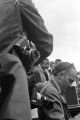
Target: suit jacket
x: 16, y: 17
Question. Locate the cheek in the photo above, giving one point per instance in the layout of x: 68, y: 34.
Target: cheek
x: 65, y: 84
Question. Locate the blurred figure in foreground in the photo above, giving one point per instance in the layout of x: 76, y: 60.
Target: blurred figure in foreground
x: 20, y: 21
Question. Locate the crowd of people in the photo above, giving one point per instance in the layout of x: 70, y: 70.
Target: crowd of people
x: 31, y: 86
x: 53, y: 80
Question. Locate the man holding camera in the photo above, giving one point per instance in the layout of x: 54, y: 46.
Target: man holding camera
x: 18, y: 17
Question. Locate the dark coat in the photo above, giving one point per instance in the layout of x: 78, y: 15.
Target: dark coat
x: 15, y: 18
x: 32, y: 23
x: 52, y: 106
x: 39, y: 75
x: 16, y: 103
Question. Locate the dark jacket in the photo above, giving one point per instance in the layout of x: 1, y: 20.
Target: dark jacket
x: 51, y: 103
x: 39, y: 75
x: 32, y: 24
x: 14, y: 92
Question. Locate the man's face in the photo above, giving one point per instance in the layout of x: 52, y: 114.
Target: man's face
x: 69, y: 78
x: 52, y: 65
x: 45, y: 64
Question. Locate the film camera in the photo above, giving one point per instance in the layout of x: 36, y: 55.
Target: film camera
x: 27, y: 53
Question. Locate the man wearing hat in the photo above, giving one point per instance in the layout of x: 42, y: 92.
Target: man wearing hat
x: 52, y: 92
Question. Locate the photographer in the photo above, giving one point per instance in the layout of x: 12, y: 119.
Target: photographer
x: 18, y: 17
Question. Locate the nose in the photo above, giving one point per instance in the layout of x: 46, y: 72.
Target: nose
x: 74, y: 84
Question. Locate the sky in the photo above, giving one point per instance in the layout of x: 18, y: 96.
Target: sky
x: 62, y: 20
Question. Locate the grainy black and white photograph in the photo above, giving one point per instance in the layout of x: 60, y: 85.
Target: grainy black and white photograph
x: 39, y: 60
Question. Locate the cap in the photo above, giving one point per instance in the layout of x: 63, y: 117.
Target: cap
x: 61, y: 67
x: 39, y: 86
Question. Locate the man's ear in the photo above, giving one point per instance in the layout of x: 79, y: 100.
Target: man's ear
x: 61, y: 75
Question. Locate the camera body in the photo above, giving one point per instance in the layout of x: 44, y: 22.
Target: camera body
x: 27, y: 53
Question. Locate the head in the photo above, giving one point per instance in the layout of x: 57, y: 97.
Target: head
x: 65, y: 75
x: 58, y: 61
x: 78, y: 75
x: 45, y: 64
x: 39, y: 87
x: 51, y: 64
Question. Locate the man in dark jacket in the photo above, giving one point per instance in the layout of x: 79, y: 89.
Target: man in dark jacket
x: 31, y: 22
x: 52, y: 92
x: 16, y: 17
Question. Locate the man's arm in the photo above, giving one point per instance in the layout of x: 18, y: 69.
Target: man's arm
x: 54, y: 109
x: 33, y: 25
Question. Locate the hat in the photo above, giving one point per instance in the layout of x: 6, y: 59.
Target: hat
x: 61, y: 67
x: 39, y: 86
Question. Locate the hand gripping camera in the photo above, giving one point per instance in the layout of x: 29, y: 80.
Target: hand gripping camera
x: 27, y: 53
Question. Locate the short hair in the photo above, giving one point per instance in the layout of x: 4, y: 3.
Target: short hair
x: 44, y: 60
x: 58, y: 60
x: 63, y: 66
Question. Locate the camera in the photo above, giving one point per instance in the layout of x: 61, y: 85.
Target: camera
x: 27, y: 53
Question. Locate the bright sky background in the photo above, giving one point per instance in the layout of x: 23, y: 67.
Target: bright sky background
x: 62, y: 19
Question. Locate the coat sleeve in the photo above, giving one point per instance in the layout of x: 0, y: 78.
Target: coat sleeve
x: 33, y: 25
x: 54, y: 109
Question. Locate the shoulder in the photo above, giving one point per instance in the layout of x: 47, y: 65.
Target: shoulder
x: 51, y: 91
